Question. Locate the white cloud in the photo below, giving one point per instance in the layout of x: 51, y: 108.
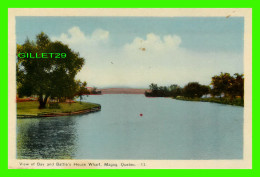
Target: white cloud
x: 75, y: 37
x: 157, y: 59
x: 154, y: 43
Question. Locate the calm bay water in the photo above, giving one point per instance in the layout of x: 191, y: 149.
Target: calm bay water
x: 168, y: 129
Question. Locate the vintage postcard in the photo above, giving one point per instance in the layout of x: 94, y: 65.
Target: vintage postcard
x: 130, y: 88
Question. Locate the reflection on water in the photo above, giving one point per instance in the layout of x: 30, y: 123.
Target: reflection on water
x: 47, y: 138
x: 167, y: 129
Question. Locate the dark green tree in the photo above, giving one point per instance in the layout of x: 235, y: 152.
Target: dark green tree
x: 238, y: 86
x: 153, y: 87
x: 48, y: 76
x: 221, y: 84
x: 175, y: 90
x: 230, y: 86
x: 153, y: 90
x: 194, y: 89
x: 204, y: 90
x: 81, y: 90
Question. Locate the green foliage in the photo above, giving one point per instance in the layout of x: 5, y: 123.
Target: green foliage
x: 81, y: 89
x: 163, y: 91
x: 153, y: 87
x: 31, y: 108
x: 194, y: 89
x: 236, y: 101
x: 175, y: 90
x: 230, y: 86
x: 47, y: 77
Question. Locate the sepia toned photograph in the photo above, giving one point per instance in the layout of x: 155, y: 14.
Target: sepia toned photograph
x: 130, y: 88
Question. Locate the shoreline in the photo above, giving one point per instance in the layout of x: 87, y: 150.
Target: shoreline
x: 59, y: 114
x: 225, y: 101
x: 214, y: 100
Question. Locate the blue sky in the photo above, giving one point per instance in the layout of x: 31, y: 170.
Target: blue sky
x: 177, y: 50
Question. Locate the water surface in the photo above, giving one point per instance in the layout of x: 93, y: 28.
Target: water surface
x: 168, y: 129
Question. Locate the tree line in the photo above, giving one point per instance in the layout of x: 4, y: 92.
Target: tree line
x: 222, y: 85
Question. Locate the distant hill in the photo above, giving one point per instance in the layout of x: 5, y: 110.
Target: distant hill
x: 122, y: 91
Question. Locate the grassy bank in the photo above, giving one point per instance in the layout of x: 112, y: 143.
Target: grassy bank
x: 31, y: 108
x: 236, y: 101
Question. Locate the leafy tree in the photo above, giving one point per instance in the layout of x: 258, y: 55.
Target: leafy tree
x: 153, y: 87
x: 175, y: 90
x: 82, y: 90
x: 221, y: 84
x: 204, y: 90
x: 231, y: 86
x: 194, y: 89
x: 238, y: 86
x: 163, y: 91
x: 47, y: 76
x: 153, y: 90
